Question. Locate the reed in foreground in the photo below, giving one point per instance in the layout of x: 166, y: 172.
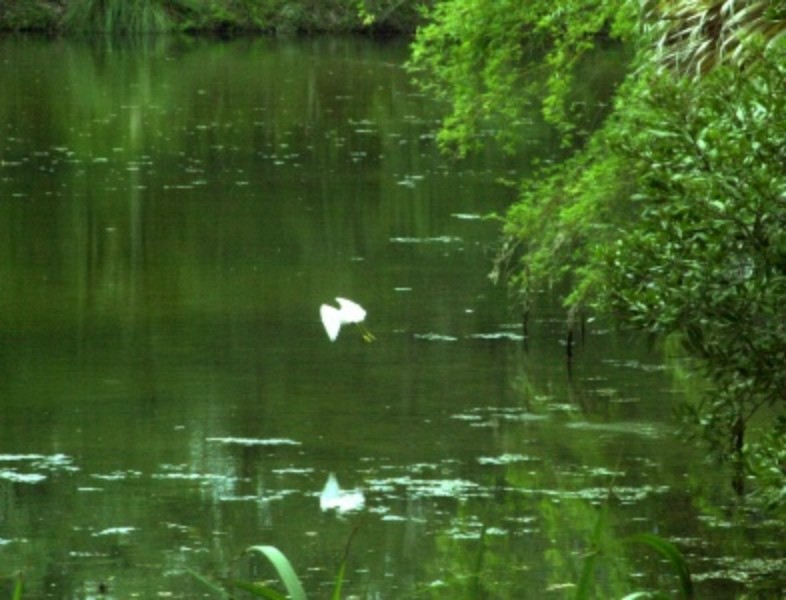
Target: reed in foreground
x: 284, y: 570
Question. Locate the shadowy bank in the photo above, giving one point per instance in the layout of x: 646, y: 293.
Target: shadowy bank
x: 210, y: 16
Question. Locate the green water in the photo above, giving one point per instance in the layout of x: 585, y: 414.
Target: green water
x: 172, y: 215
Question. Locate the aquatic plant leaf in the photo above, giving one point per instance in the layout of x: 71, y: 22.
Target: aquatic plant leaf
x: 284, y: 569
x: 259, y: 590
x: 339, y: 580
x: 646, y: 596
x: 670, y: 552
x: 208, y: 583
x: 18, y: 587
x: 585, y: 586
x: 343, y: 567
x: 254, y: 441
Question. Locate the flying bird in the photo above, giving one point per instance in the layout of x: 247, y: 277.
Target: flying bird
x: 347, y: 312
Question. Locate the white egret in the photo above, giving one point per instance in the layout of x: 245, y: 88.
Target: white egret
x: 348, y: 312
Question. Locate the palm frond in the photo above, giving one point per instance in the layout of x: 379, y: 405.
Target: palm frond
x: 695, y: 36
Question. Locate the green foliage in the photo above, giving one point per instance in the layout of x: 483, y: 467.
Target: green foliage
x: 210, y: 15
x: 565, y: 218
x: 18, y: 588
x: 396, y: 15
x: 283, y: 569
x: 673, y: 214
x: 706, y: 256
x: 116, y: 16
x: 585, y: 586
x: 16, y: 15
x: 584, y: 551
x: 16, y: 585
x: 675, y: 558
x: 493, y: 60
x: 602, y: 568
x: 145, y: 16
x: 285, y: 572
x: 695, y: 37
x: 766, y: 461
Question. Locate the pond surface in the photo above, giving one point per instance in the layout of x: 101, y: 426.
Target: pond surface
x: 172, y: 215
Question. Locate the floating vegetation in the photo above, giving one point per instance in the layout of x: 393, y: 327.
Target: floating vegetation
x: 194, y: 477
x: 261, y: 498
x: 442, y: 239
x: 435, y: 337
x: 626, y: 400
x: 716, y: 522
x: 643, y: 429
x: 409, y: 182
x: 500, y: 335
x: 623, y: 494
x: 293, y: 471
x: 426, y: 467
x: 467, y: 216
x: 42, y: 461
x: 115, y: 531
x: 635, y: 364
x: 15, y: 477
x: 18, y: 457
x: 506, y: 459
x: 394, y: 518
x: 561, y: 407
x: 465, y: 417
x: 745, y: 571
x: 487, y: 414
x: 254, y: 441
x: 117, y: 475
x: 604, y: 472
x: 465, y: 531
x: 34, y: 462
x: 428, y: 488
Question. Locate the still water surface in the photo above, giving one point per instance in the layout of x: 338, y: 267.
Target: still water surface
x: 172, y: 214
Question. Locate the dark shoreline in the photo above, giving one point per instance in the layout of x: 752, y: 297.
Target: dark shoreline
x: 296, y: 17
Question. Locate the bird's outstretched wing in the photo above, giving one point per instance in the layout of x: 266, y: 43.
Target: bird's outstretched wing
x: 331, y: 319
x: 351, y: 312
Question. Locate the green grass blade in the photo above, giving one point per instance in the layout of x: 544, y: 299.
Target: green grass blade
x: 18, y: 588
x: 584, y: 589
x: 259, y: 590
x: 670, y: 552
x: 343, y: 566
x: 284, y: 569
x: 208, y: 583
x: 339, y: 581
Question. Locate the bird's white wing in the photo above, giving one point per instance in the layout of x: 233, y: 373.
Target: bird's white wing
x: 333, y: 497
x: 331, y: 319
x: 351, y: 312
